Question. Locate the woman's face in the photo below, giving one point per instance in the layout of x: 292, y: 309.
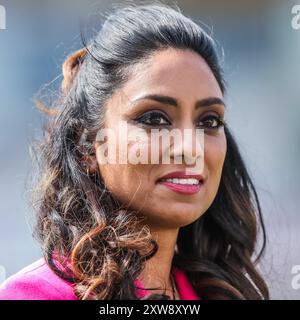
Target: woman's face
x: 185, y: 76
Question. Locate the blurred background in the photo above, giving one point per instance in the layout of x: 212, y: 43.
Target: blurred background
x: 262, y: 68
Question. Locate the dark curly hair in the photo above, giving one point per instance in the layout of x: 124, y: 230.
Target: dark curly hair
x: 77, y: 217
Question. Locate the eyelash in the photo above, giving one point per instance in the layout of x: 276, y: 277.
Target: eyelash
x: 218, y: 119
x: 146, y: 116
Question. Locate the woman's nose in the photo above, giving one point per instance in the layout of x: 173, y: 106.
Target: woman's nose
x: 188, y: 147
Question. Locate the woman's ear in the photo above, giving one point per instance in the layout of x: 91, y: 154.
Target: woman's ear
x: 70, y: 68
x: 90, y: 163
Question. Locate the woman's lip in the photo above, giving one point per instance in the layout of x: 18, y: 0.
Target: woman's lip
x: 181, y: 175
x: 182, y: 188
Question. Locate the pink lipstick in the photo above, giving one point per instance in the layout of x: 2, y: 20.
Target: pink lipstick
x: 181, y: 182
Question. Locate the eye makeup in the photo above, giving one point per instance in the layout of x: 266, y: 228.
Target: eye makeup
x: 211, y: 121
x: 153, y: 118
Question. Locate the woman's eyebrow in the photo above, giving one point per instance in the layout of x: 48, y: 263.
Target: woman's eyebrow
x: 206, y: 102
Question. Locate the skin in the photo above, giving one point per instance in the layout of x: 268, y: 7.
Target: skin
x: 184, y: 75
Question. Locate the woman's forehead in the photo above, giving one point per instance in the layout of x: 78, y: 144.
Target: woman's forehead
x: 178, y: 73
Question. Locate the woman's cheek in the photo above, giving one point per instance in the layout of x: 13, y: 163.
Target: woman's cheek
x: 214, y: 153
x: 138, y: 147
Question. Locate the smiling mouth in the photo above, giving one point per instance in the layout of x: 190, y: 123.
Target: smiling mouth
x: 182, y: 181
x: 186, y: 186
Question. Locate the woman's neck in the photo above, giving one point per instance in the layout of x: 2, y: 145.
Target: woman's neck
x: 157, y: 270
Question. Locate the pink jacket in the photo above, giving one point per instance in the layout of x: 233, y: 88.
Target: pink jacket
x: 37, y: 281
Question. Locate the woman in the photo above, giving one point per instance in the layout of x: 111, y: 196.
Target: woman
x: 136, y: 230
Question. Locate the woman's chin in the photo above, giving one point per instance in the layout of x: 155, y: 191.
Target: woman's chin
x: 180, y: 216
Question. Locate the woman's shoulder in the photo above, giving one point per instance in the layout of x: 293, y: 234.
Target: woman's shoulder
x: 36, y: 281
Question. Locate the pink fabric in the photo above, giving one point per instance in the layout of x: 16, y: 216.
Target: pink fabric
x: 184, y: 287
x: 37, y: 281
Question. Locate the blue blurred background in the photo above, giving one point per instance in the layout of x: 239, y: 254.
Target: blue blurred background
x: 262, y: 68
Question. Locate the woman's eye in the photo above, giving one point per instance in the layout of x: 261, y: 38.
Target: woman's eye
x: 153, y: 119
x: 211, y: 122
